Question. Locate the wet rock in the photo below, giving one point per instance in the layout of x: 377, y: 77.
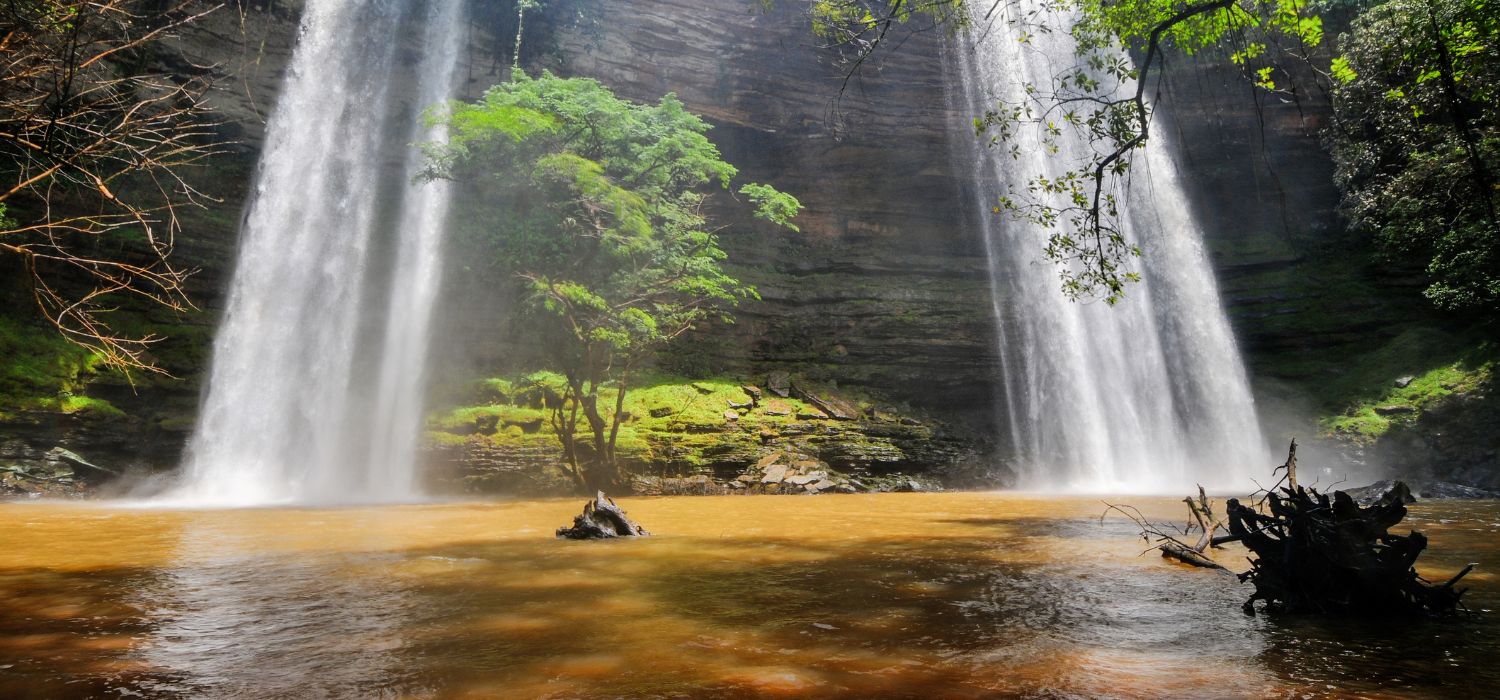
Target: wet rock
x: 486, y: 425
x: 1442, y: 490
x: 601, y: 519
x: 1369, y: 495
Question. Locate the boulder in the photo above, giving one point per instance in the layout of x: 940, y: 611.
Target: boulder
x: 731, y: 415
x: 801, y: 480
x: 753, y: 392
x: 1403, y: 382
x: 774, y: 474
x: 820, y: 486
x: 835, y: 407
x: 780, y: 384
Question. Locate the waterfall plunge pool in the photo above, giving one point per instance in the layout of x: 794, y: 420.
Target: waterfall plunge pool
x: 885, y: 595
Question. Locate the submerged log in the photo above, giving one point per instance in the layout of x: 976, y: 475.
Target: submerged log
x: 601, y: 519
x: 1319, y: 554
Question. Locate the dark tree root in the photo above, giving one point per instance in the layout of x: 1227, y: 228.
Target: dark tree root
x: 601, y: 519
x: 1320, y: 554
x: 1312, y: 552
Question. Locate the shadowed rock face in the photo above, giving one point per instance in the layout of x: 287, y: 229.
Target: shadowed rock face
x: 885, y: 286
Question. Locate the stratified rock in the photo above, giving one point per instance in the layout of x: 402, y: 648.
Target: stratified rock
x: 1394, y: 410
x: 661, y: 411
x: 753, y: 392
x: 731, y: 415
x: 601, y: 519
x: 769, y: 459
x: 820, y: 486
x: 777, y: 408
x: 801, y: 480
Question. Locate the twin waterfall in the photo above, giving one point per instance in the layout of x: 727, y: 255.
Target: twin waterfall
x: 1149, y: 395
x: 315, y: 390
x: 315, y: 394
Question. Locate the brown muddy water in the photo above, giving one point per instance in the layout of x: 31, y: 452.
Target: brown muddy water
x: 893, y: 595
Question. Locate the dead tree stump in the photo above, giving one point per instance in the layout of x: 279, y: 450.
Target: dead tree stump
x: 1319, y: 554
x: 601, y: 519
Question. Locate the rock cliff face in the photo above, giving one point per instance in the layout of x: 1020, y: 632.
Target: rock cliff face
x: 886, y: 286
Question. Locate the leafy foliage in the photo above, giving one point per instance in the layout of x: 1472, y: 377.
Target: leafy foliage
x: 1417, y: 141
x: 597, y: 206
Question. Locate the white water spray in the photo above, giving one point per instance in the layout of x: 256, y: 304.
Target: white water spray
x: 315, y: 390
x: 1149, y: 395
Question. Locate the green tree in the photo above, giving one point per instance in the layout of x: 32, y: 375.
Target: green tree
x: 597, y: 207
x: 1416, y: 141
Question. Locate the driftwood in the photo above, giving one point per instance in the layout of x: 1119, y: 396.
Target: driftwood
x: 1201, y: 518
x: 1312, y: 552
x: 1319, y: 554
x: 601, y: 519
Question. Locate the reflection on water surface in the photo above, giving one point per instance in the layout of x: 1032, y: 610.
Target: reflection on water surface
x: 893, y: 595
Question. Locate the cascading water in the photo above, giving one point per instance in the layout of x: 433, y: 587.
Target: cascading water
x: 1147, y: 395
x: 315, y: 390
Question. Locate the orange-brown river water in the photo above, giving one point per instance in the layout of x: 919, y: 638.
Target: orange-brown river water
x: 893, y: 595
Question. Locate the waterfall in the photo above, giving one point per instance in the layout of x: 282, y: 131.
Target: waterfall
x: 315, y: 389
x: 1149, y: 395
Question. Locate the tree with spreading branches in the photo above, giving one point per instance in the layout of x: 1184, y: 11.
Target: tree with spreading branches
x: 95, y: 140
x: 597, y: 209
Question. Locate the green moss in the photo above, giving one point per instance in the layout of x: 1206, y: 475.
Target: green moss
x: 1439, y: 364
x: 38, y: 369
x: 89, y: 406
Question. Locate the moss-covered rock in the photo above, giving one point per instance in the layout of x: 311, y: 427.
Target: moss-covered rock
x: 716, y: 428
